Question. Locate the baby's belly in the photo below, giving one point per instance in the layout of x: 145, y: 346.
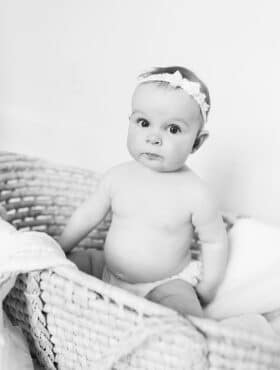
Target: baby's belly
x: 138, y: 253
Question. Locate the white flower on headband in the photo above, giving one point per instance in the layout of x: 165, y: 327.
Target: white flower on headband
x: 177, y: 80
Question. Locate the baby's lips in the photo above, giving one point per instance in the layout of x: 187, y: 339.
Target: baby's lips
x: 152, y: 156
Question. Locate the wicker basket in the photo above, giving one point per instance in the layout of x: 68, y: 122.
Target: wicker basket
x: 75, y: 321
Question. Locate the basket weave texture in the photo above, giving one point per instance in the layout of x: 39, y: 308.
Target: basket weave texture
x: 75, y: 321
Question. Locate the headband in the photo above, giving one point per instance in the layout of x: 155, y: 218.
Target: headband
x: 177, y: 80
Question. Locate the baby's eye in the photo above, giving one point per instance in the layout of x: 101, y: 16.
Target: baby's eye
x: 174, y: 129
x: 143, y: 122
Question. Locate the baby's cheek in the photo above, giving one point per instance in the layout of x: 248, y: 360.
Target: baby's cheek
x: 135, y: 139
x: 178, y: 151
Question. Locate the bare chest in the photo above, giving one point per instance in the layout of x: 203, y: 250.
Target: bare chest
x: 157, y: 203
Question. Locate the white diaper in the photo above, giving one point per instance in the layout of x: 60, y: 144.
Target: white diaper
x: 191, y: 274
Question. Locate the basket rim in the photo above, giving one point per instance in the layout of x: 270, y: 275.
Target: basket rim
x: 118, y: 295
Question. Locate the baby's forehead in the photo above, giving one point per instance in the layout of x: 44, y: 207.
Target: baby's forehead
x: 160, y: 97
x: 153, y: 87
x: 159, y: 91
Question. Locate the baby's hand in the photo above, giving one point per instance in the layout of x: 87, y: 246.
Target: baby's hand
x: 3, y: 213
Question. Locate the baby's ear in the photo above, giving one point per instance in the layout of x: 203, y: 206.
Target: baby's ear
x: 201, y: 137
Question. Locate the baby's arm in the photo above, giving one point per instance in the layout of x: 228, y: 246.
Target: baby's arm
x: 87, y: 216
x: 212, y: 236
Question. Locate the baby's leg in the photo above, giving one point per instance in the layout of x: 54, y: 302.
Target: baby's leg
x: 90, y: 261
x: 178, y: 295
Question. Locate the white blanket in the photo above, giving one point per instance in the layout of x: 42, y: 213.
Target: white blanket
x: 252, y: 281
x: 21, y: 252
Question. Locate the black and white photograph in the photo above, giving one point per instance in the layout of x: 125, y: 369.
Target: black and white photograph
x: 139, y: 185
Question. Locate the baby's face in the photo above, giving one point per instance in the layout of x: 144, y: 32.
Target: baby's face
x: 163, y: 127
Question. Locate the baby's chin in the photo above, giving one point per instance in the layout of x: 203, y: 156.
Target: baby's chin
x: 158, y: 165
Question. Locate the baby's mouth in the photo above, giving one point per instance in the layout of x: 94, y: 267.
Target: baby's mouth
x: 152, y: 156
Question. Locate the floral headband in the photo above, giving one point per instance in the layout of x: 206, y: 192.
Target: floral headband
x: 177, y: 80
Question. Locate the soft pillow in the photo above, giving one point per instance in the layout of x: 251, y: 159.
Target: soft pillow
x: 252, y: 280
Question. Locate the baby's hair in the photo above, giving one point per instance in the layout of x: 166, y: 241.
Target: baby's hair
x: 186, y: 73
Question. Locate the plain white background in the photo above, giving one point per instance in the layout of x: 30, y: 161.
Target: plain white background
x: 68, y: 68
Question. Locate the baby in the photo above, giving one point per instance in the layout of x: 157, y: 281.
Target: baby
x: 157, y: 201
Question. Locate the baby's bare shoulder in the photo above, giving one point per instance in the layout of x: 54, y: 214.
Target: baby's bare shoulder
x: 115, y: 174
x: 193, y: 181
x: 119, y: 170
x: 200, y: 191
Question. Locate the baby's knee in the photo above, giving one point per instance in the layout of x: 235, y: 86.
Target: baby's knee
x: 178, y: 295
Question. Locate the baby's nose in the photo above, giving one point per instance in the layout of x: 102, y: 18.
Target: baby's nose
x: 154, y: 139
